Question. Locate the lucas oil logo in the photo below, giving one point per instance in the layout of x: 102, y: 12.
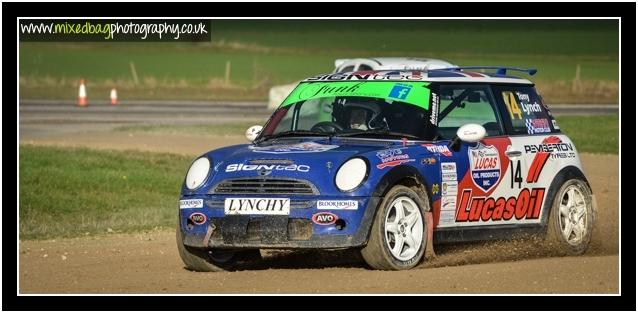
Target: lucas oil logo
x: 485, y: 166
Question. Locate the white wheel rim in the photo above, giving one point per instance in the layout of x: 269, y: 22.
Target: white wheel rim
x: 403, y: 228
x: 573, y: 215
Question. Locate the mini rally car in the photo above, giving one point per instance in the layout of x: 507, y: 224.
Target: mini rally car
x: 389, y: 162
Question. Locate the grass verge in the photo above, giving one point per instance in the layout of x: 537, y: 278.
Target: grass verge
x: 77, y: 192
x: 594, y: 134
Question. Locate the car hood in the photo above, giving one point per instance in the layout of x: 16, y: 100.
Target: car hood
x: 311, y: 159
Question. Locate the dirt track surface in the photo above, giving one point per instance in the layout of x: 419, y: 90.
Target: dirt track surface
x: 149, y: 263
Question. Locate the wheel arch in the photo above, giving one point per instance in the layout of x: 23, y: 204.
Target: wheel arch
x: 565, y: 174
x: 404, y: 175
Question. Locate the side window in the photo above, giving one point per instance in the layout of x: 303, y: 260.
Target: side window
x: 463, y: 104
x: 523, y: 110
x: 348, y: 68
x: 364, y: 67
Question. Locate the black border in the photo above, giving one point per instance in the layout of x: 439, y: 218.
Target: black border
x: 626, y: 11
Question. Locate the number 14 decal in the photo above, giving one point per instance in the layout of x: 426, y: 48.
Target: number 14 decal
x: 516, y: 176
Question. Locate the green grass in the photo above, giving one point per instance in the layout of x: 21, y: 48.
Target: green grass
x: 199, y: 129
x: 595, y: 134
x: 266, y: 53
x: 71, y: 192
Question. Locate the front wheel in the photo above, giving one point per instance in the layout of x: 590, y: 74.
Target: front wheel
x: 572, y: 217
x: 212, y: 260
x: 399, y: 232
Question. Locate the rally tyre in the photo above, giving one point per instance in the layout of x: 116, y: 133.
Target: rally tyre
x: 212, y: 260
x: 399, y: 232
x: 571, y: 218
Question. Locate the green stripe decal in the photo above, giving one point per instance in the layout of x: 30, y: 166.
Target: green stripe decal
x: 415, y: 93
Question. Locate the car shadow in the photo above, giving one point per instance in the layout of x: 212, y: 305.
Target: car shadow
x: 304, y: 259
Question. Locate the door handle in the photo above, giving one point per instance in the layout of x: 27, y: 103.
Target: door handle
x: 513, y: 153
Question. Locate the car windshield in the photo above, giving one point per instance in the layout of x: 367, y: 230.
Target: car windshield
x: 354, y: 109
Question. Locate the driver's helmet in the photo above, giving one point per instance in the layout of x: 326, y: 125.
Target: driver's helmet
x: 362, y: 113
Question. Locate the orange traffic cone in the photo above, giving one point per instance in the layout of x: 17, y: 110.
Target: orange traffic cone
x: 113, y: 96
x: 82, y: 101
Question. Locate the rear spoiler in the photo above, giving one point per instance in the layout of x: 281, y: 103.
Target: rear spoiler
x: 500, y: 70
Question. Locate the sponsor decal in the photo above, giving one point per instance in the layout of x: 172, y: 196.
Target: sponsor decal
x: 337, y: 204
x: 303, y: 147
x: 530, y: 108
x: 262, y: 206
x: 191, y: 204
x: 428, y: 161
x: 392, y: 157
x: 537, y: 126
x: 450, y: 188
x: 271, y: 161
x: 324, y: 218
x: 555, y: 124
x: 264, y: 169
x: 448, y: 167
x: 197, y: 218
x: 448, y: 203
x: 485, y: 166
x: 435, y: 188
x: 400, y: 91
x: 551, y: 146
x: 327, y: 90
x: 527, y: 205
x: 442, y: 149
x: 371, y: 76
x: 434, y: 110
x: 448, y: 176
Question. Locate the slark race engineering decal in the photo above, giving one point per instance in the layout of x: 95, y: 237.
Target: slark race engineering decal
x: 392, y: 157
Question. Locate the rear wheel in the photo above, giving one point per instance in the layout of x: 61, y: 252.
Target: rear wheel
x: 572, y: 217
x: 399, y: 232
x: 212, y: 260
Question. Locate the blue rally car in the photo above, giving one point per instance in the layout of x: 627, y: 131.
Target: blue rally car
x: 389, y: 162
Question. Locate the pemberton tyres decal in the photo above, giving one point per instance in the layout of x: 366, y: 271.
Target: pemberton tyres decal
x: 415, y: 93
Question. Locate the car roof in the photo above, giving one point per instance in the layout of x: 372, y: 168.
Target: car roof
x: 440, y: 75
x: 387, y: 63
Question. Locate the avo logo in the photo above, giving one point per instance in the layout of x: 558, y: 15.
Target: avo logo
x: 324, y: 218
x: 198, y: 218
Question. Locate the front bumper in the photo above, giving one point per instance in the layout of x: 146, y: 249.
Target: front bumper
x: 292, y: 231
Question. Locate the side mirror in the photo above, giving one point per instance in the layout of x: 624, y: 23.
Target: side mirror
x: 252, y: 132
x: 467, y: 133
x: 471, y: 132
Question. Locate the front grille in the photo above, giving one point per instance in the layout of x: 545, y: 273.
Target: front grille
x: 286, y: 186
x: 271, y: 229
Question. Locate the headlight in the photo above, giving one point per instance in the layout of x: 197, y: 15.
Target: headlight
x: 197, y: 173
x: 351, y: 174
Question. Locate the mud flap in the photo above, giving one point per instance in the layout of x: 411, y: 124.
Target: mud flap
x: 429, y: 245
x: 594, y: 207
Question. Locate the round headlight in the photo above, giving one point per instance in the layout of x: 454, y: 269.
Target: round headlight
x: 351, y: 174
x: 197, y: 173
